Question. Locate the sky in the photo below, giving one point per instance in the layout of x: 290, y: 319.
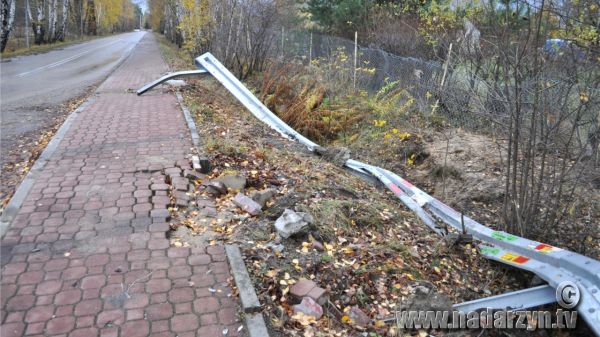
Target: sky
x: 142, y: 3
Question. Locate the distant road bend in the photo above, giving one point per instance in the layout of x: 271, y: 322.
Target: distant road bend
x: 34, y: 86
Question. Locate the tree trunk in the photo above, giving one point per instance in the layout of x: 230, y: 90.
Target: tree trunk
x: 39, y: 29
x: 60, y: 35
x: 7, y: 16
x: 52, y: 20
x: 90, y: 18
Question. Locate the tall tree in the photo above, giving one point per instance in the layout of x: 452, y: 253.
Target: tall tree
x: 90, y: 18
x: 52, y: 13
x: 7, y: 16
x: 39, y: 27
x: 60, y: 35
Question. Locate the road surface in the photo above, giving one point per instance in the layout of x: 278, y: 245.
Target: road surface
x: 34, y: 86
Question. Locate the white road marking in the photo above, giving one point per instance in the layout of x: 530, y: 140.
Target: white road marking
x: 68, y: 59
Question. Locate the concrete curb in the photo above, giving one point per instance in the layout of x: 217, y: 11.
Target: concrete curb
x: 203, y: 161
x: 250, y: 304
x: 21, y: 192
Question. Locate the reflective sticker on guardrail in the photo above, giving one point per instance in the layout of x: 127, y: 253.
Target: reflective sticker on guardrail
x: 395, y: 188
x: 504, y: 236
x: 407, y: 183
x: 544, y: 248
x: 489, y: 250
x: 510, y: 257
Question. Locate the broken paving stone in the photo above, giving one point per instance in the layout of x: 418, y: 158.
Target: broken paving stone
x: 358, y: 317
x: 193, y: 175
x: 319, y: 295
x: 301, y: 288
x: 173, y: 171
x: 291, y: 223
x: 245, y: 203
x: 234, y: 182
x: 309, y: 307
x: 261, y: 197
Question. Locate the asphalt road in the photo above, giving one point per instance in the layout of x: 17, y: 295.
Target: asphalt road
x: 33, y: 87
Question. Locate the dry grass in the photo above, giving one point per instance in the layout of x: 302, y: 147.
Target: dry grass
x: 14, y: 49
x: 304, y: 104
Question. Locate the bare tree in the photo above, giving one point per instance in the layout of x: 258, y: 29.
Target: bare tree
x: 7, y: 16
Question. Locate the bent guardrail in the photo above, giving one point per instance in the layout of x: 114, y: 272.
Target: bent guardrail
x: 552, y: 264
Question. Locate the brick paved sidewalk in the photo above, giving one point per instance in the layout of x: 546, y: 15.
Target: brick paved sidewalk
x: 87, y: 253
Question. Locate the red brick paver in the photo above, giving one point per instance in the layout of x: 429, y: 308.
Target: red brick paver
x: 87, y: 254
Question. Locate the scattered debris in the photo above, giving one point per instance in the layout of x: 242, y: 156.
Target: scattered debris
x: 358, y: 317
x: 309, y: 307
x: 261, y: 197
x: 248, y: 205
x: 215, y: 188
x: 291, y: 223
x: 233, y: 182
x: 335, y: 155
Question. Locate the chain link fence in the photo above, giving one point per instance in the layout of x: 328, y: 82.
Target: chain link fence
x: 436, y: 86
x: 448, y: 88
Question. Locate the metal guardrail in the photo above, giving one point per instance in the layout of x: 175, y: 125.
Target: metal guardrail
x: 552, y: 264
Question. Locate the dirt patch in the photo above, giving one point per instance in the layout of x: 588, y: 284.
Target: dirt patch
x: 24, y: 146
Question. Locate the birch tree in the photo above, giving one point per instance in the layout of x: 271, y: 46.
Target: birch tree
x: 7, y: 13
x: 39, y: 24
x: 52, y: 4
x: 60, y: 35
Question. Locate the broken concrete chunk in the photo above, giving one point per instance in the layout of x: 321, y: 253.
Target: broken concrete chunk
x: 215, y: 188
x: 245, y: 203
x: 196, y: 163
x: 261, y: 197
x: 309, y: 307
x: 276, y: 247
x: 290, y: 223
x: 235, y: 182
x: 358, y: 317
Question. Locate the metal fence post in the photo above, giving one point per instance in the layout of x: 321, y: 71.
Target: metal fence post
x: 355, y: 56
x: 282, y: 31
x: 310, y: 50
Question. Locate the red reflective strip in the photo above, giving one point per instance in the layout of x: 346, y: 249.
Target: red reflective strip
x: 407, y: 183
x: 395, y: 188
x: 520, y: 259
x: 542, y: 246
